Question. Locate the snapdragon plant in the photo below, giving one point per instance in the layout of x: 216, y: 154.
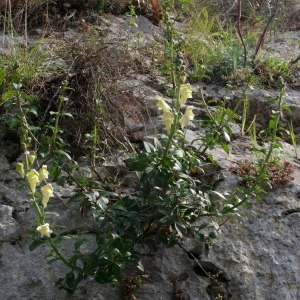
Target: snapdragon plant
x: 33, y: 179
x: 171, y: 191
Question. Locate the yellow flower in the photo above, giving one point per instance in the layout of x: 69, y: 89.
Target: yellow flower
x: 33, y: 179
x: 47, y: 192
x: 168, y: 118
x: 20, y: 169
x: 185, y: 93
x: 43, y: 173
x: 161, y: 104
x: 44, y: 230
x: 188, y: 116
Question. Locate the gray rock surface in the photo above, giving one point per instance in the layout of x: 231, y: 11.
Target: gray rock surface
x: 260, y: 252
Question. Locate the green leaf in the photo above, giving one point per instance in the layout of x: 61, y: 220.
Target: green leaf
x: 52, y: 260
x: 7, y: 96
x: 52, y: 213
x: 138, y: 163
x: 102, y: 203
x: 178, y: 153
x: 140, y: 266
x: 181, y: 229
x: 68, y: 115
x: 272, y: 124
x: 157, y: 143
x: 65, y: 154
x: 17, y: 86
x: 2, y: 74
x: 119, y: 207
x: 149, y: 147
x: 225, y: 147
x: 34, y: 128
x: 33, y: 110
x: 14, y: 122
x: 219, y: 195
x: 35, y: 244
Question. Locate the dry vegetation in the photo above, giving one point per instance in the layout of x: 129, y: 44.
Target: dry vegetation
x: 94, y: 70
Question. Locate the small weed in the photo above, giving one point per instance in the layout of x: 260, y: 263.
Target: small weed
x: 271, y: 69
x: 131, y: 283
x: 293, y: 138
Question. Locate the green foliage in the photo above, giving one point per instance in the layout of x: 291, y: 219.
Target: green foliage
x: 270, y: 69
x: 223, y: 51
x: 23, y: 65
x: 26, y: 105
x: 217, y: 124
x: 213, y: 49
x: 267, y: 169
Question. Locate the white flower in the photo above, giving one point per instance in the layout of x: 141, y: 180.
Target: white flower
x: 161, y: 104
x: 44, y: 230
x: 185, y: 93
x: 188, y: 116
x: 47, y: 192
x: 33, y: 179
x: 43, y: 173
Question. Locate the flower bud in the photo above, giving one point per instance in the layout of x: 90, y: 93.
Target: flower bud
x: 20, y: 169
x: 43, y: 173
x: 31, y: 158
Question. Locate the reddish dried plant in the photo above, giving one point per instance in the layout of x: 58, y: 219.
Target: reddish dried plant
x: 277, y: 173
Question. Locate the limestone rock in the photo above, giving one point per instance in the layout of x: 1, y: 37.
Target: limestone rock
x: 8, y: 225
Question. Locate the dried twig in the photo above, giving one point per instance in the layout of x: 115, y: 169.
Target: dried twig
x: 262, y: 37
x: 294, y: 61
x: 238, y: 28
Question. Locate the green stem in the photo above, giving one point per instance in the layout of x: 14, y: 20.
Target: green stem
x: 170, y: 138
x: 37, y: 209
x: 94, y: 146
x: 24, y: 123
x: 55, y: 131
x: 61, y: 257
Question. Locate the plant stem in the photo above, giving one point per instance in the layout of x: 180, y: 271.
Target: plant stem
x: 56, y: 129
x: 61, y: 257
x: 37, y: 209
x: 170, y: 138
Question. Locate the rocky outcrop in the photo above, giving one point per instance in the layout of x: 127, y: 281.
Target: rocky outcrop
x: 254, y: 257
